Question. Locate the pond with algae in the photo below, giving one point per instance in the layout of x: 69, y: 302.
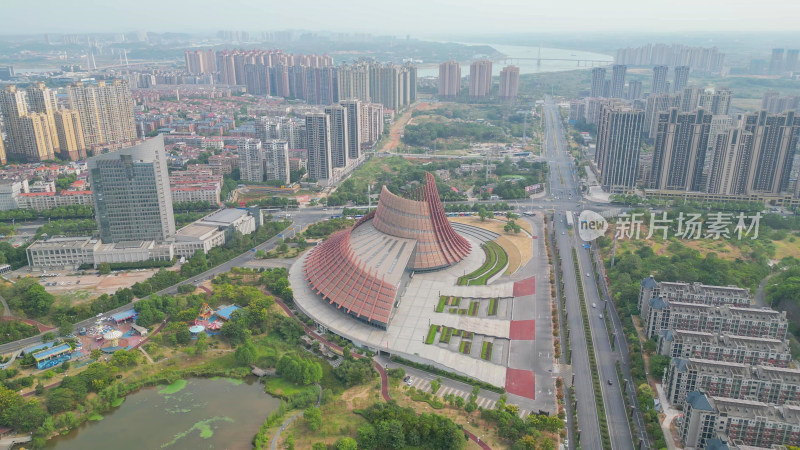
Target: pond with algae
x: 198, y: 413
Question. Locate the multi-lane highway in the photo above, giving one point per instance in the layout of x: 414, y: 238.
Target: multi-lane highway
x: 300, y: 219
x: 565, y: 199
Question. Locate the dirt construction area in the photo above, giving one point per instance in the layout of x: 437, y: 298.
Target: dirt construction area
x: 399, y: 125
x: 92, y: 285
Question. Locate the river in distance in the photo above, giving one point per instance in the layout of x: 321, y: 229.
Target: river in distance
x: 199, y: 413
x: 517, y: 54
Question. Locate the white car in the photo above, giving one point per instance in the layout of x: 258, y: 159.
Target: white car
x: 410, y: 381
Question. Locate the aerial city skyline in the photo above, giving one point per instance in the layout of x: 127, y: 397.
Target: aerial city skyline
x: 482, y: 226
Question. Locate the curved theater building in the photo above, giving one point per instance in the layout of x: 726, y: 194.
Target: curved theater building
x: 361, y: 270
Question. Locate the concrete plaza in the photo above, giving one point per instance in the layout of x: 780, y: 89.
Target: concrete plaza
x: 522, y: 359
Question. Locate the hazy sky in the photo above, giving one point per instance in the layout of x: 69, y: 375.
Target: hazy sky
x: 399, y: 17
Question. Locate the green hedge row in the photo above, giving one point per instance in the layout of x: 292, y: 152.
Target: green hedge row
x: 596, y: 386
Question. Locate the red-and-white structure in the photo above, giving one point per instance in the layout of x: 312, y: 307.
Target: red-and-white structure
x: 360, y: 270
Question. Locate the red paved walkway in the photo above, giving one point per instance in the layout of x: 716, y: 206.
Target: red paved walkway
x: 521, y: 382
x: 40, y: 326
x: 522, y: 330
x: 525, y: 287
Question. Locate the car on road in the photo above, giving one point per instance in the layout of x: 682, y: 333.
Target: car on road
x: 601, y: 316
x: 587, y: 274
x: 594, y: 305
x: 609, y: 382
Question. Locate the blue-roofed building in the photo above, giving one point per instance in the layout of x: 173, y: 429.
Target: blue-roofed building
x: 226, y: 311
x: 698, y: 423
x: 130, y: 314
x: 37, y: 347
x: 52, y: 356
x: 716, y: 444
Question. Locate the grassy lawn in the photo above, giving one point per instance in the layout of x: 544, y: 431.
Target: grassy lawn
x: 517, y: 246
x: 496, y: 261
x: 338, y: 418
x: 71, y: 298
x: 440, y: 306
x: 432, y: 334
x: 492, y: 306
x: 280, y: 387
x: 445, y: 336
x: 486, y: 351
x: 786, y: 248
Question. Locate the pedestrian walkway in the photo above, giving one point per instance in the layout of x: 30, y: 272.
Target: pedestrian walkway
x: 422, y: 380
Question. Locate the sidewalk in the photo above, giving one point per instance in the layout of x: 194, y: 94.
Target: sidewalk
x: 670, y: 415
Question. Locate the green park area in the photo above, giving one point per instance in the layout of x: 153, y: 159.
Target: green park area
x: 495, y: 261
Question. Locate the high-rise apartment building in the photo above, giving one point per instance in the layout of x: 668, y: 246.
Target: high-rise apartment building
x: 618, y: 72
x: 3, y: 158
x: 42, y: 100
x: 690, y: 99
x: 355, y: 128
x: 320, y: 85
x: 598, y: 81
x: 776, y: 61
x: 353, y: 81
x: 480, y: 78
x: 776, y: 103
x: 200, y: 61
x: 703, y: 59
x: 756, y: 156
x: 318, y: 146
x: 256, y: 79
x: 276, y: 160
x: 29, y: 134
x: 393, y: 86
x: 251, y: 159
x: 70, y: 134
x: 449, y: 79
x: 733, y: 151
x: 716, y: 102
x: 681, y: 78
x: 339, y: 135
x: 509, y: 83
x: 791, y: 60
x: 372, y: 123
x: 659, y: 79
x: 618, y: 146
x: 14, y: 107
x: 657, y: 103
x: 106, y: 112
x: 774, y: 143
x: 634, y: 90
x: 680, y: 150
x: 131, y: 193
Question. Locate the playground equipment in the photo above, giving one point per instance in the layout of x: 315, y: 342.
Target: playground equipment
x: 113, y: 337
x: 205, y: 312
x: 196, y: 329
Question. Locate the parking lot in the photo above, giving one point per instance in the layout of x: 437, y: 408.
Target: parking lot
x: 62, y: 282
